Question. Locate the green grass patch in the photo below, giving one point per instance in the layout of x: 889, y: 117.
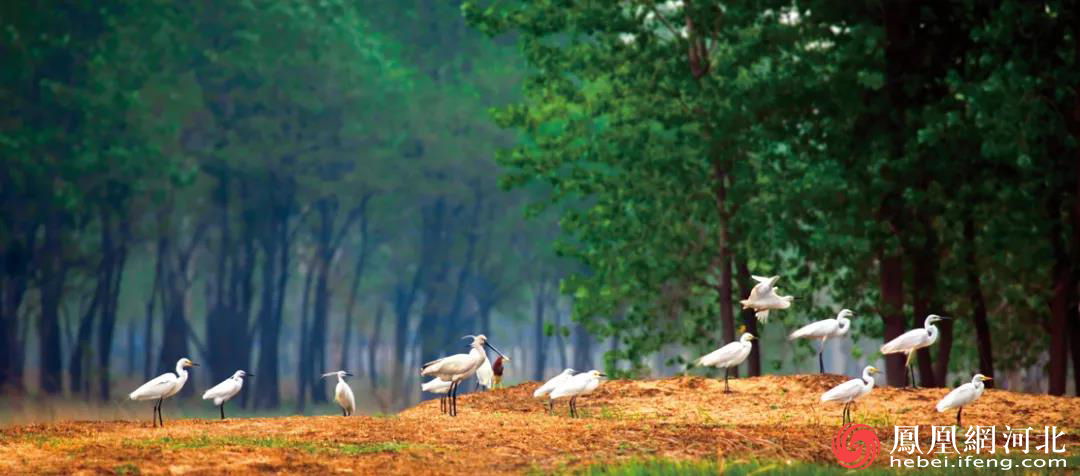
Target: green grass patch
x: 205, y: 441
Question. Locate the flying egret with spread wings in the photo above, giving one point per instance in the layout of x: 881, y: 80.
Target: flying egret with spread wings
x: 764, y: 297
x: 227, y: 389
x: 343, y: 393
x: 728, y: 356
x: 847, y: 392
x: 913, y: 340
x: 163, y: 386
x: 963, y: 395
x: 824, y: 329
x: 458, y: 367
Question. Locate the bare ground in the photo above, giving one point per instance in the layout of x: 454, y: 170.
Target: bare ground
x: 506, y: 432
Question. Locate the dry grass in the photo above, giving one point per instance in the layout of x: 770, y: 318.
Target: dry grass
x: 506, y: 431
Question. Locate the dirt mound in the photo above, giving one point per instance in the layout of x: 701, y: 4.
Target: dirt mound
x: 506, y: 431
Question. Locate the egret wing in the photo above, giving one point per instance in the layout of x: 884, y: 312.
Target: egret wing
x: 155, y: 388
x: 550, y: 385
x: 436, y: 385
x: 959, y: 397
x: 844, y: 392
x: 822, y: 328
x: 572, y: 386
x: 222, y: 391
x: 907, y: 341
x: 721, y: 356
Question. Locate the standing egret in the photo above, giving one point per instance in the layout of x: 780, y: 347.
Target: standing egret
x: 576, y: 386
x: 550, y: 385
x: 458, y: 367
x: 163, y: 386
x: 764, y: 296
x: 847, y: 392
x: 342, y: 393
x: 824, y: 329
x: 437, y: 386
x: 485, y: 375
x: 227, y: 389
x: 913, y: 340
x: 498, y: 369
x: 728, y: 356
x: 963, y: 395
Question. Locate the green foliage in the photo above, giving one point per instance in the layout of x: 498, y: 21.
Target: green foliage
x: 793, y: 134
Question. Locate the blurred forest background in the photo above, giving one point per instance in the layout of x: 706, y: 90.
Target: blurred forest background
x: 293, y: 187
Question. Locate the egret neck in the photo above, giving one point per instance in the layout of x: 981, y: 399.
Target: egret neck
x: 181, y: 372
x: 868, y: 379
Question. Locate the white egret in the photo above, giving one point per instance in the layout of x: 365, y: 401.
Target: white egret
x: 164, y: 386
x: 227, y: 389
x: 342, y: 393
x: 824, y: 329
x: 847, y: 392
x: 550, y: 385
x: 437, y: 386
x: 764, y: 297
x: 458, y: 367
x: 485, y: 375
x: 576, y: 386
x: 963, y: 395
x: 913, y: 340
x: 728, y: 356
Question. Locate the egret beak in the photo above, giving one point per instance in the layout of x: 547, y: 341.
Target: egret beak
x: 470, y: 336
x: 193, y: 364
x: 348, y: 374
x: 988, y: 378
x: 602, y: 374
x: 248, y: 375
x: 496, y: 350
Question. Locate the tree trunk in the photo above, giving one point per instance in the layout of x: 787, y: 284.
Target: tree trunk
x: 53, y: 272
x: 354, y: 289
x: 892, y: 305
x: 560, y: 341
x: 17, y: 259
x: 155, y: 290
x: 582, y: 349
x: 748, y: 317
x: 1062, y: 297
x: 80, y: 350
x: 303, y: 358
x: 116, y: 257
x: 923, y: 289
x: 373, y: 345
x: 978, y: 302
x: 540, y: 344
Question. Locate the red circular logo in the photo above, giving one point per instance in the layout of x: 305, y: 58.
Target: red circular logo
x: 855, y: 446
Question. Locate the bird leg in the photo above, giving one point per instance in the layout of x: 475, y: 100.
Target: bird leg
x: 726, y: 388
x: 820, y: 356
x: 153, y: 420
x: 453, y: 398
x: 573, y: 409
x: 160, y: 418
x: 911, y: 370
x: 222, y: 407
x: 958, y: 412
x: 442, y: 404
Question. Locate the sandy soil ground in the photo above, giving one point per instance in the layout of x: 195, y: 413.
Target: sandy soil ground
x: 507, y: 432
